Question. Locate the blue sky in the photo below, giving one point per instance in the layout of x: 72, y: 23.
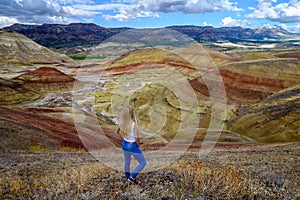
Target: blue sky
x: 154, y: 13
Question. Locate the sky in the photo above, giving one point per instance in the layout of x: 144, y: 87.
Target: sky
x: 155, y: 13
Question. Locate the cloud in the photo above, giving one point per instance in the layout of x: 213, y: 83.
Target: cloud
x: 130, y: 14
x: 207, y: 24
x: 282, y: 12
x: 100, y: 7
x: 72, y: 2
x: 41, y: 11
x: 73, y: 12
x: 145, y: 8
x: 67, y: 11
x: 229, y: 22
x: 6, y: 21
x: 292, y: 29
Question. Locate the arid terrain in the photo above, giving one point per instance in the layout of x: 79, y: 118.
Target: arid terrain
x: 58, y: 112
x: 257, y: 171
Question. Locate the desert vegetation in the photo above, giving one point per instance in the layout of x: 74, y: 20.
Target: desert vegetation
x: 236, y: 172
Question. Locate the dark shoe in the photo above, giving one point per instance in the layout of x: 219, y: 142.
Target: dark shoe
x: 132, y: 180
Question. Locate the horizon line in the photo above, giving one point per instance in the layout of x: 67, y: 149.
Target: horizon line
x: 158, y: 27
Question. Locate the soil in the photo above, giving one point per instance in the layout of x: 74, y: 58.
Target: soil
x: 272, y: 169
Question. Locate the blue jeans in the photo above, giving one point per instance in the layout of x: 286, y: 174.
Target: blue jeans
x: 132, y: 149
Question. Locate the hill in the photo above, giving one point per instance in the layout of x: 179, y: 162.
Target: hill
x: 46, y: 79
x: 249, y: 80
x: 17, y: 49
x: 147, y: 75
x: 13, y: 92
x: 159, y: 82
x: 33, y: 85
x: 252, y: 81
x: 22, y: 128
x: 275, y: 119
x: 150, y: 59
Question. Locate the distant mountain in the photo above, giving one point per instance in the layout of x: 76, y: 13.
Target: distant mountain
x: 61, y: 36
x: 232, y: 34
x: 87, y: 34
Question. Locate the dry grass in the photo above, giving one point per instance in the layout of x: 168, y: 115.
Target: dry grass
x: 212, y: 181
x: 51, y: 183
x: 251, y: 172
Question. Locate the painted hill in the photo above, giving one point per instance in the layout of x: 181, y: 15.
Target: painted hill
x: 45, y: 75
x: 150, y: 76
x: 150, y: 59
x: 33, y: 85
x: 262, y: 90
x: 17, y: 49
x: 275, y: 119
x: 206, y: 56
x: 13, y: 92
x: 154, y: 77
x: 46, y: 79
x: 258, y: 88
x: 22, y: 128
x: 253, y: 80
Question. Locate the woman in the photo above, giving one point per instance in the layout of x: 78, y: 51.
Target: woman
x: 128, y: 129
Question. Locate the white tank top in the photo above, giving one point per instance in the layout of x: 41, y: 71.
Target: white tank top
x: 130, y: 137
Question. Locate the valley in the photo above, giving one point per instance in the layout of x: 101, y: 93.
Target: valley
x: 236, y: 101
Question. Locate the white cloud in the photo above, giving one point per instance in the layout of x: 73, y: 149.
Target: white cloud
x: 127, y: 13
x: 56, y: 11
x: 71, y: 2
x: 101, y: 7
x: 73, y: 12
x: 63, y: 20
x: 230, y: 22
x: 282, y: 12
x: 207, y: 24
x: 292, y: 28
x: 267, y: 26
x: 43, y: 11
x: 6, y: 21
x: 146, y: 8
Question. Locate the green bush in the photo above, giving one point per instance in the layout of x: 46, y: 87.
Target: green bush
x: 37, y: 148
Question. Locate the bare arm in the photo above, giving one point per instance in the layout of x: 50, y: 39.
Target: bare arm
x: 136, y: 131
x: 117, y: 130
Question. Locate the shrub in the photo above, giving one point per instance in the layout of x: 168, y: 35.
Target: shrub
x: 211, y: 181
x: 37, y: 148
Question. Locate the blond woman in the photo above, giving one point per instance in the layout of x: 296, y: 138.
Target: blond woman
x: 128, y: 129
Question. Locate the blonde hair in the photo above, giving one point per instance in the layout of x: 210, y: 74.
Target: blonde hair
x: 127, y: 116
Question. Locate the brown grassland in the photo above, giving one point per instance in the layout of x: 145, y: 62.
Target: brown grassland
x: 230, y: 171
